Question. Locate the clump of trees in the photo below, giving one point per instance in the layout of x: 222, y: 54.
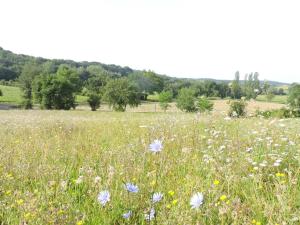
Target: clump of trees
x: 57, y: 91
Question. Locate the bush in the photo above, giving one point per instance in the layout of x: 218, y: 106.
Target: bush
x: 1, y: 93
x: 164, y: 98
x: 186, y: 100
x: 237, y: 108
x: 205, y: 105
x: 94, y: 101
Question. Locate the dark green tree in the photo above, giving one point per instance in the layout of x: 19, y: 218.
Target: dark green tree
x: 186, y: 100
x: 57, y: 91
x: 120, y: 92
x: 29, y: 72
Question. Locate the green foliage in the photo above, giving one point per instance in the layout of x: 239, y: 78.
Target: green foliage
x: 57, y: 91
x: 119, y: 93
x: 237, y: 108
x: 204, y: 105
x: 29, y: 72
x: 270, y: 96
x: 251, y: 86
x: 165, y: 97
x: 94, y: 101
x: 278, y: 113
x: 186, y: 100
x: 1, y: 93
x: 236, y: 91
x: 294, y: 97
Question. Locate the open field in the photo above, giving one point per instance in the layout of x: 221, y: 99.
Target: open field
x: 277, y: 99
x: 11, y: 95
x: 53, y: 164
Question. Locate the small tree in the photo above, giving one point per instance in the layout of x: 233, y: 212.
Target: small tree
x: 205, y: 105
x: 186, y: 100
x: 294, y: 97
x: 237, y: 108
x: 165, y: 97
x: 94, y: 101
x: 120, y: 92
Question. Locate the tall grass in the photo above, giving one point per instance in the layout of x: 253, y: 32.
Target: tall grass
x: 54, y: 164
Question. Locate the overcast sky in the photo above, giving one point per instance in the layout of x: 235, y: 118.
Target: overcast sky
x: 182, y: 38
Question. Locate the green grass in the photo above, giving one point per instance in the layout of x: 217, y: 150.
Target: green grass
x: 11, y: 95
x: 53, y: 164
x: 277, y: 99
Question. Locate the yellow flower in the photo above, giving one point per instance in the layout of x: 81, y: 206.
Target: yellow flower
x: 153, y: 183
x: 174, y: 202
x: 223, y: 197
x: 20, y: 202
x: 253, y: 221
x: 27, y: 216
x: 258, y: 223
x: 280, y: 174
x: 216, y: 182
x: 171, y: 193
x: 8, y: 192
x: 169, y: 206
x: 60, y: 212
x: 80, y: 222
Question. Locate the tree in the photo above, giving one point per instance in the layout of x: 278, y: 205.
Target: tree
x: 236, y: 91
x: 204, y: 105
x: 94, y: 100
x: 164, y: 98
x: 186, y: 100
x: 29, y: 72
x: 294, y: 97
x: 120, y: 92
x: 1, y: 93
x: 57, y: 91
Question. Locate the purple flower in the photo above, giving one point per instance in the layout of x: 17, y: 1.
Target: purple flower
x: 156, y: 146
x: 130, y: 187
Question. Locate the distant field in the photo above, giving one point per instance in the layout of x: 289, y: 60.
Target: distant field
x: 278, y: 98
x: 11, y: 95
x: 54, y: 164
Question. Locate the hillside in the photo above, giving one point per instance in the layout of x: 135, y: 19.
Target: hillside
x: 11, y: 65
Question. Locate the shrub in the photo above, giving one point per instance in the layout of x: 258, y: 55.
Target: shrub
x: 186, y: 100
x: 164, y: 98
x: 94, y: 101
x: 1, y: 93
x: 237, y: 108
x: 205, y: 105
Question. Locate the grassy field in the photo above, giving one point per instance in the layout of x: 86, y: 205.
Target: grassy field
x: 278, y: 98
x: 11, y: 95
x: 53, y: 165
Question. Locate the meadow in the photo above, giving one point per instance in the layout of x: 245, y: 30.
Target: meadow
x: 54, y: 165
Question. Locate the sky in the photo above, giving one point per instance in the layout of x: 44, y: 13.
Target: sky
x: 180, y: 38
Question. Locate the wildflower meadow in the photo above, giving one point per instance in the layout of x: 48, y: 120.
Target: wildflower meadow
x: 81, y: 167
